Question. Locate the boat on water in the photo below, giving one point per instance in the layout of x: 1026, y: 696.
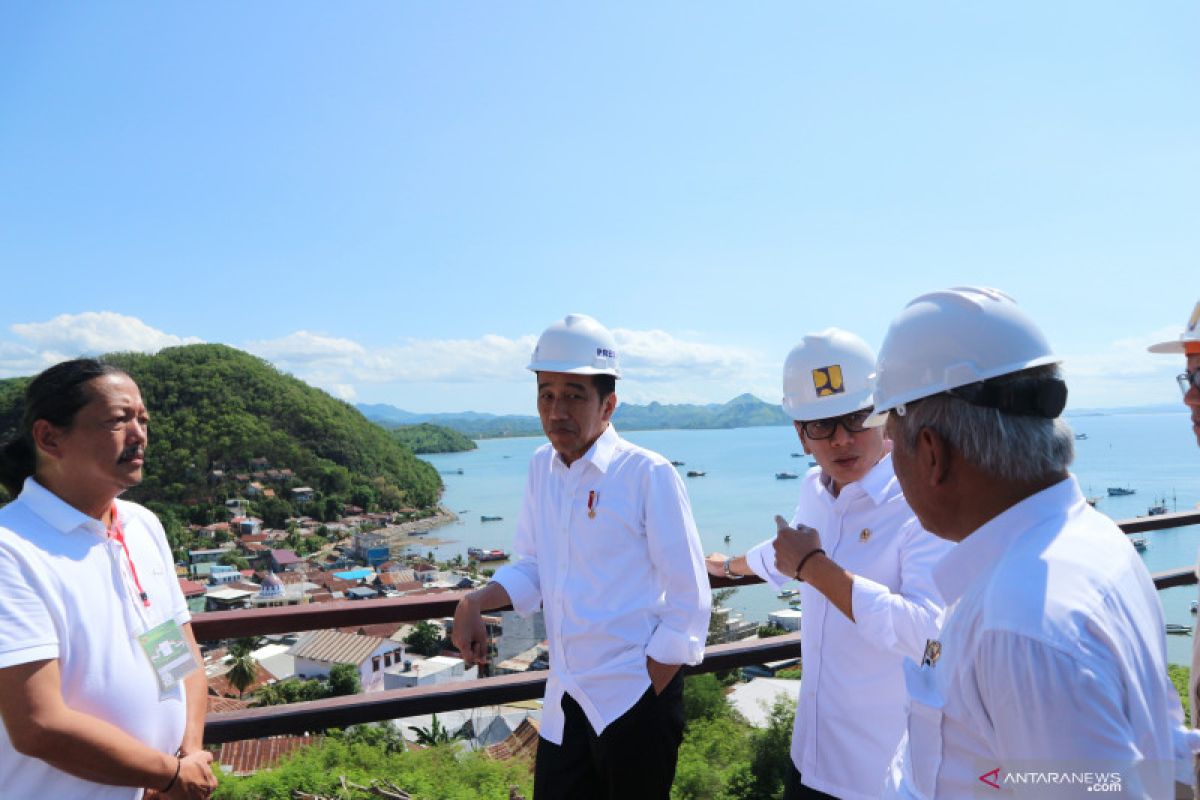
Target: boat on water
x: 1195, y: 606
x: 786, y: 593
x: 785, y: 476
x: 1156, y: 510
x: 1175, y: 629
x: 486, y: 518
x: 728, y: 538
x: 1091, y: 501
x: 480, y: 554
x: 795, y: 455
x: 1081, y: 436
x: 1120, y: 491
x: 696, y: 473
x: 794, y: 602
x: 812, y: 463
x: 1139, y: 543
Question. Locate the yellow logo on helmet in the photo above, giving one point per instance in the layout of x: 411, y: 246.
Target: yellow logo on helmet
x: 828, y: 380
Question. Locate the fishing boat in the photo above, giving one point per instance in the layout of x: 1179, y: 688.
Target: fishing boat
x: 1139, y: 543
x: 1118, y: 491
x: 1156, y: 510
x: 480, y: 554
x: 785, y: 476
x: 795, y: 455
x: 1175, y: 629
x: 486, y: 518
x: 728, y: 538
x: 1081, y: 436
x: 676, y: 463
x: 696, y: 473
x: 1195, y: 606
x: 786, y: 593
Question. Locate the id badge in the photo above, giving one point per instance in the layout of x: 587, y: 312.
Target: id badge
x: 169, y: 654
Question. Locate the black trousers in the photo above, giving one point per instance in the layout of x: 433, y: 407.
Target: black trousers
x: 633, y: 758
x: 794, y: 788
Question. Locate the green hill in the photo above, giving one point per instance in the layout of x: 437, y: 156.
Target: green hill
x: 427, y: 438
x: 214, y: 407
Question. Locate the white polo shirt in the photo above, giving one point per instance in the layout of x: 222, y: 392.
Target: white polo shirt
x: 64, y: 594
x: 1052, y: 676
x: 851, y: 710
x: 616, y: 587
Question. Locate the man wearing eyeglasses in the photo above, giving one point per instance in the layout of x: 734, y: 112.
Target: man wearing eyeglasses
x: 865, y: 561
x: 1188, y: 344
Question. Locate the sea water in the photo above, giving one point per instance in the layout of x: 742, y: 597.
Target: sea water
x: 1153, y: 454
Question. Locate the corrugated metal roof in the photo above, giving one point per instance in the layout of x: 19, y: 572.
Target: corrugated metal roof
x: 335, y: 647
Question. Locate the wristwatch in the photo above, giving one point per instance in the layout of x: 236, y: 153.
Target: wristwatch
x: 730, y: 573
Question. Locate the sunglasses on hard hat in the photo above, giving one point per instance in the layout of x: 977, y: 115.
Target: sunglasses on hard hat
x: 1189, y: 380
x: 855, y: 422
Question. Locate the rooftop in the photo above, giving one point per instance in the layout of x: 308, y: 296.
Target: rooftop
x: 335, y: 647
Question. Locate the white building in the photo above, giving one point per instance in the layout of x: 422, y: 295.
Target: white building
x: 317, y: 651
x: 418, y: 671
x: 786, y: 618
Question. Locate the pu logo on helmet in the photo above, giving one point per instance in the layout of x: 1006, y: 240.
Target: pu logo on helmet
x: 604, y: 351
x: 828, y: 380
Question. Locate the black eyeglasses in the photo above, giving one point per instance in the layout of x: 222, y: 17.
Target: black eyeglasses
x: 825, y: 428
x: 1189, y: 380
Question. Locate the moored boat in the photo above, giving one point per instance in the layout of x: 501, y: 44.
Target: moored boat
x: 1120, y: 491
x: 786, y: 476
x: 480, y: 554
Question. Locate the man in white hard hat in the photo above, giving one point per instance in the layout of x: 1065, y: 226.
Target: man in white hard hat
x: 1049, y: 678
x: 1188, y: 345
x: 868, y: 595
x: 609, y: 551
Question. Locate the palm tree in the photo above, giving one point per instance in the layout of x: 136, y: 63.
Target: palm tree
x: 244, y: 669
x: 436, y: 734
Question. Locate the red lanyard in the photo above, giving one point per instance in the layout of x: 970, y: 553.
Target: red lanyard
x: 117, y: 533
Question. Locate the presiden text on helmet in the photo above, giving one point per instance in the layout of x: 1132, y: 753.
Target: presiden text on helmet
x: 576, y: 344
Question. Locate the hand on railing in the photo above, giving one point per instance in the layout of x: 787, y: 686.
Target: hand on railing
x: 470, y: 634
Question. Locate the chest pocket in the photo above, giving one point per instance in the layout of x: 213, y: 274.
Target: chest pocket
x: 616, y: 526
x: 925, y: 713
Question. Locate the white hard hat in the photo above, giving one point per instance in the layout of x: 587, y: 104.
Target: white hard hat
x: 950, y: 338
x: 828, y: 374
x: 577, y: 344
x: 1188, y: 341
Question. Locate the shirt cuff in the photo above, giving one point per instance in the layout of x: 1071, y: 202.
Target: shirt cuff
x: 525, y: 597
x: 870, y: 602
x: 761, y: 560
x: 26, y: 655
x: 667, y: 646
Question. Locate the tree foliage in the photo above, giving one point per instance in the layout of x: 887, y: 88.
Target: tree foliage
x: 244, y: 667
x: 214, y: 404
x: 439, y: 773
x: 428, y: 438
x: 425, y: 639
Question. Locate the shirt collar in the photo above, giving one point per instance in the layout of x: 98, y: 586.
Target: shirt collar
x: 600, y: 454
x: 977, y: 554
x: 876, y: 484
x: 54, y: 511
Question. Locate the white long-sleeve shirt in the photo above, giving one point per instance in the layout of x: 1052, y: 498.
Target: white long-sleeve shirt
x: 1052, y: 675
x: 851, y: 711
x: 616, y: 587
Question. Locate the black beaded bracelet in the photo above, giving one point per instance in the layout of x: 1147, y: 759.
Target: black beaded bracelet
x: 175, y: 777
x: 803, y: 561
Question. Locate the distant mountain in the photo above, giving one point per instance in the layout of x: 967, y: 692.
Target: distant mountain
x: 743, y: 411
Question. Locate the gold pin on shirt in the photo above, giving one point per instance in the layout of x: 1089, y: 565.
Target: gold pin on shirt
x: 865, y: 535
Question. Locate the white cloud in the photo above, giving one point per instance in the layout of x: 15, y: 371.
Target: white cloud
x: 1123, y: 373
x: 95, y: 332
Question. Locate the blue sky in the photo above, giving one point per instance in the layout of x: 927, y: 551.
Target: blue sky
x: 391, y: 200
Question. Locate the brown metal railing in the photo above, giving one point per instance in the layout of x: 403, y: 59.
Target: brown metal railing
x: 375, y: 706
